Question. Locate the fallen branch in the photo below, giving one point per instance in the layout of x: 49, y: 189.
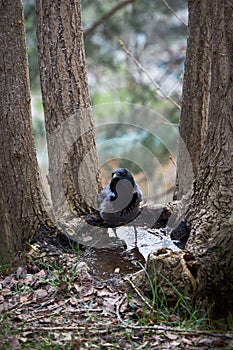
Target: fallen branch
x: 69, y: 328
x: 139, y: 293
x: 62, y: 312
x: 163, y: 328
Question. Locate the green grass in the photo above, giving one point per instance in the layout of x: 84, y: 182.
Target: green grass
x: 4, y: 268
x: 155, y: 310
x: 183, y: 313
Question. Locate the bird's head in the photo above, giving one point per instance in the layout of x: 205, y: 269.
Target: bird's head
x: 121, y: 174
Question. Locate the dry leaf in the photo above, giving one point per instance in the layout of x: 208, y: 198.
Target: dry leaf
x: 41, y: 293
x: 171, y: 336
x: 14, y: 343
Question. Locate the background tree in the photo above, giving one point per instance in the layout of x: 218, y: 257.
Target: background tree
x: 113, y: 77
x: 73, y: 168
x: 21, y: 207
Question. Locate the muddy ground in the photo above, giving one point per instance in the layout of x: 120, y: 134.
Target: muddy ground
x: 69, y: 296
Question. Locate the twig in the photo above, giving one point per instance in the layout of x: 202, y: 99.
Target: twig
x: 139, y: 293
x: 127, y: 325
x: 163, y: 328
x: 62, y: 312
x: 157, y: 86
x: 172, y: 160
x: 174, y: 13
x: 108, y: 14
x: 69, y: 328
x: 174, y: 88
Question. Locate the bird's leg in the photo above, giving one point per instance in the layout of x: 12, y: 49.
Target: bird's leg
x: 135, y: 235
x: 114, y: 230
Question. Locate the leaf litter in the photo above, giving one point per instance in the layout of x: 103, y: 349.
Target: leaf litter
x: 56, y: 300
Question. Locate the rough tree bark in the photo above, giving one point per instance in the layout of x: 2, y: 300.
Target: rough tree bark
x: 195, y: 98
x: 204, y: 270
x: 211, y: 238
x: 73, y: 166
x: 21, y: 207
x: 210, y: 210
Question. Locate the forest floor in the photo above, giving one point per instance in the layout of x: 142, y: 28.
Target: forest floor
x: 53, y: 300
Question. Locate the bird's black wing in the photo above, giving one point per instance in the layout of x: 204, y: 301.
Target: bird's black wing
x: 138, y: 193
x: 105, y: 194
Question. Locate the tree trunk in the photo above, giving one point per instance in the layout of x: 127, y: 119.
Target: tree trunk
x: 73, y: 166
x: 192, y: 127
x: 204, y: 271
x: 211, y: 239
x: 21, y: 208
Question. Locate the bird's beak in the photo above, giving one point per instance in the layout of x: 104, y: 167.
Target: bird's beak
x: 115, y: 175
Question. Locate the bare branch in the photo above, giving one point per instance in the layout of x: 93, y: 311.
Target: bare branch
x: 174, y: 13
x: 108, y: 14
x: 157, y: 86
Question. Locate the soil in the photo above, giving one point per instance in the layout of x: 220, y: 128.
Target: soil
x: 63, y: 295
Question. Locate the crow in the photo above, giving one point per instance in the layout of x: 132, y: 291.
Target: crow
x: 119, y: 201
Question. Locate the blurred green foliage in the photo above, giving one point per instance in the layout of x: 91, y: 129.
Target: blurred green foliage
x: 157, y: 40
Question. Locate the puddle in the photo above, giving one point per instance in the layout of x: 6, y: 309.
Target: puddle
x: 112, y: 264
x: 148, y: 240
x: 123, y: 255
